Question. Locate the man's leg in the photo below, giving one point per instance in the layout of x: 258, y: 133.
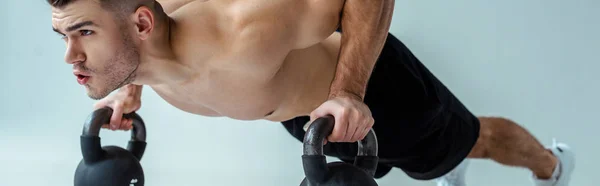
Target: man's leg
x: 507, y: 143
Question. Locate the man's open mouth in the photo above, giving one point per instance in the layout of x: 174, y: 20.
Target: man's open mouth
x: 82, y: 79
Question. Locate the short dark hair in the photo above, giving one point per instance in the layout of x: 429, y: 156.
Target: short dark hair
x: 117, y: 6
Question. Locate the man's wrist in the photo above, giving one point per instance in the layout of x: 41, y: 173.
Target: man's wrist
x: 132, y: 89
x: 345, y: 93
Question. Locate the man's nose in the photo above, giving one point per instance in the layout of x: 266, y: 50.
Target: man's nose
x: 74, y: 54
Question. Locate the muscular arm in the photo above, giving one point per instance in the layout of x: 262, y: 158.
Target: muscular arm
x: 365, y: 25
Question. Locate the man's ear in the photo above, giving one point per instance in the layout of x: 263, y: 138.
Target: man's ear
x: 144, y: 22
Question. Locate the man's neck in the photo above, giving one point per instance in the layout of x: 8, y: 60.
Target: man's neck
x: 158, y: 63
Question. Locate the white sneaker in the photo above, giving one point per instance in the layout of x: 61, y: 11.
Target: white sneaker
x: 565, y: 166
x: 456, y: 177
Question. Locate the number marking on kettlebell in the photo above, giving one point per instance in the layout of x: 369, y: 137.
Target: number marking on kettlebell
x: 133, y: 182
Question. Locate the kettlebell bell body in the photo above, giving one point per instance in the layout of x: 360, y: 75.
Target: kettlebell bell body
x: 320, y: 173
x: 343, y: 174
x: 110, y: 165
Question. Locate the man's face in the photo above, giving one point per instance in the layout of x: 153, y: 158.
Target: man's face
x: 98, y: 45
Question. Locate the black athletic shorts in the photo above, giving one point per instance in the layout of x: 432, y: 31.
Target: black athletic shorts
x: 421, y: 127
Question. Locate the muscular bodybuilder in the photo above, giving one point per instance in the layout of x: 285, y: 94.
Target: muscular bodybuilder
x: 291, y: 61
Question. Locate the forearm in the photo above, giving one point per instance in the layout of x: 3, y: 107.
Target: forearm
x: 365, y: 25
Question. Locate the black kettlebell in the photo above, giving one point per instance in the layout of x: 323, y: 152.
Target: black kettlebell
x: 110, y: 165
x: 319, y: 173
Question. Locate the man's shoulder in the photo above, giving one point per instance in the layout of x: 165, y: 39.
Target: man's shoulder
x: 170, y: 6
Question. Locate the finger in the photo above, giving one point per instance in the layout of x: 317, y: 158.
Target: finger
x: 321, y: 111
x: 100, y: 104
x: 360, y: 134
x: 357, y: 126
x: 117, y: 116
x: 350, y: 131
x: 351, y: 126
x: 341, y: 126
x: 360, y: 130
x: 355, y: 135
x: 130, y: 124
x: 371, y: 122
x: 124, y: 124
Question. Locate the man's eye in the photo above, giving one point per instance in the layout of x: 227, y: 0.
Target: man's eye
x: 62, y: 36
x: 86, y: 32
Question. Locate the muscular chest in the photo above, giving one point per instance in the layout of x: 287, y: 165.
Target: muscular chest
x: 239, y: 60
x: 245, y: 92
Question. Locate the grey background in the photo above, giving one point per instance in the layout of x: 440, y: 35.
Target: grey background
x: 532, y: 61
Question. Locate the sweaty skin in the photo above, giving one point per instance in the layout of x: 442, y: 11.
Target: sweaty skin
x: 235, y: 59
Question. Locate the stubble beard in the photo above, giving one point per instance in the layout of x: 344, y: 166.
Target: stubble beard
x: 119, y: 71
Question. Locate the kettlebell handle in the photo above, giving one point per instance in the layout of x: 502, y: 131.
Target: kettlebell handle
x: 314, y: 162
x: 94, y: 123
x: 90, y: 140
x: 322, y: 127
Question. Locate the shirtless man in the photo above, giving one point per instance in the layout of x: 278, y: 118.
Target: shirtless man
x: 286, y: 61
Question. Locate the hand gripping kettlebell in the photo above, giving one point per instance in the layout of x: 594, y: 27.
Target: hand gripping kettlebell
x: 110, y: 165
x: 319, y: 173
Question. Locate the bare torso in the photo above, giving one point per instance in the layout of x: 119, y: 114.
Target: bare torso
x: 244, y: 73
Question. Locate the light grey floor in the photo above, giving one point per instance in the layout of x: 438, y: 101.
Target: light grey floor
x: 533, y: 61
